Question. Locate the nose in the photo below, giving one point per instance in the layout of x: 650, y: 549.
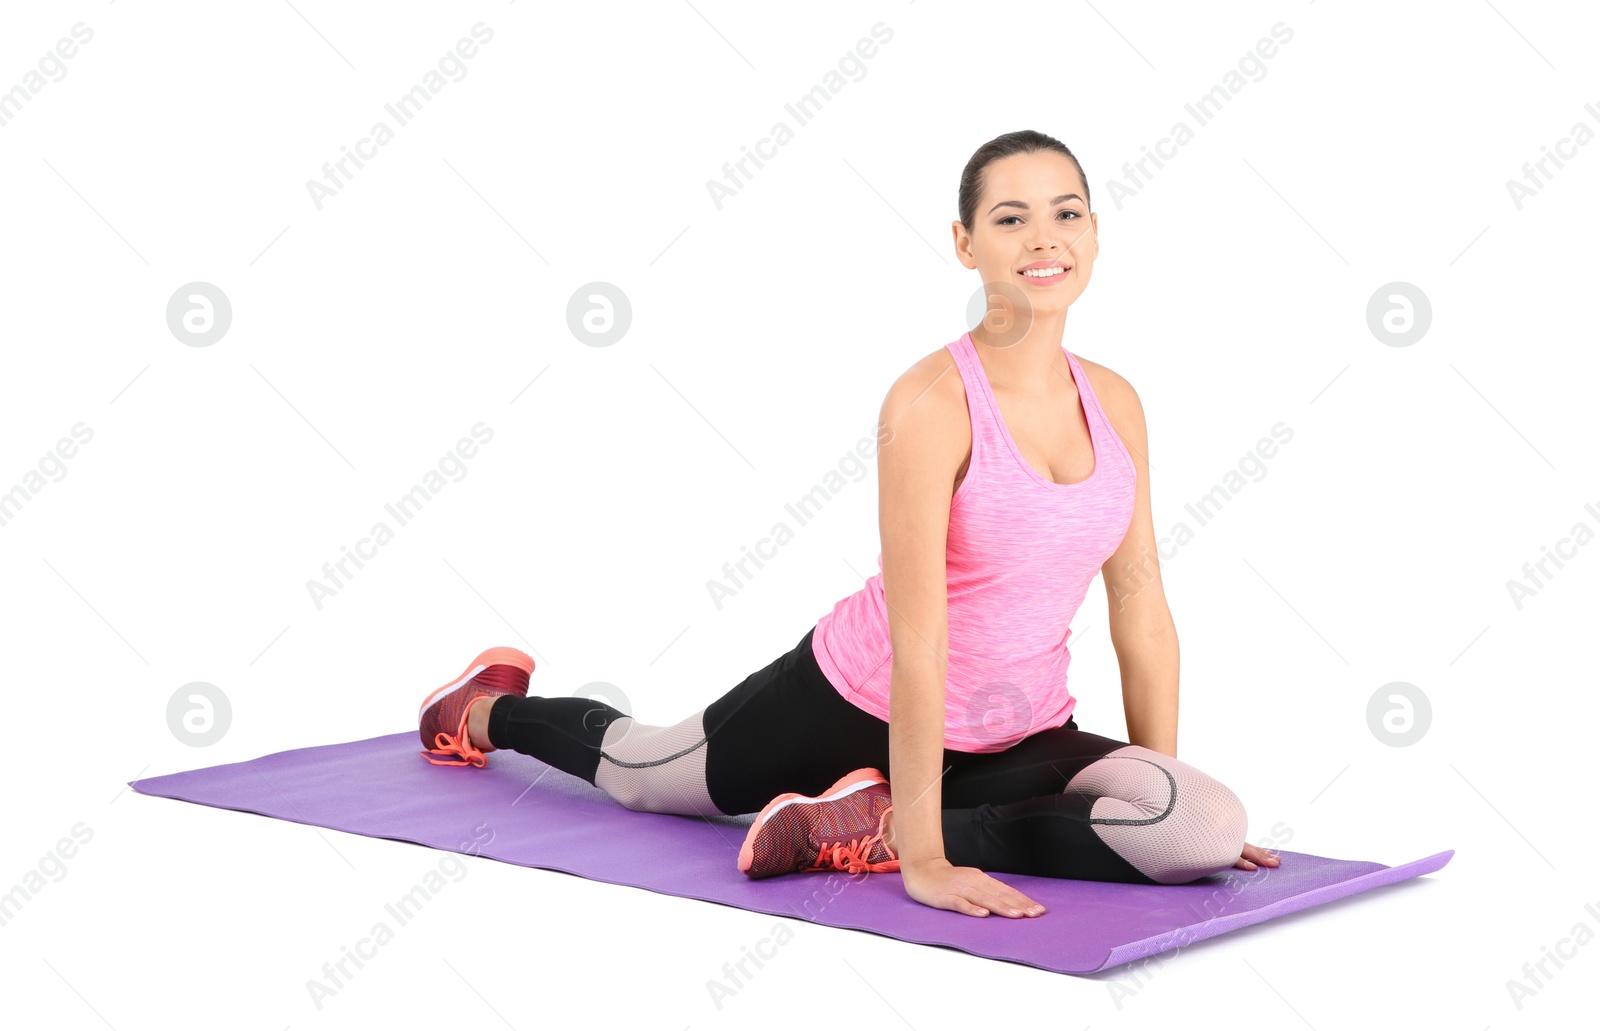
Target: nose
x: 1052, y: 240
x: 1047, y: 242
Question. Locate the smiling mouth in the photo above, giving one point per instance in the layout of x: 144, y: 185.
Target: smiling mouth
x: 1047, y: 273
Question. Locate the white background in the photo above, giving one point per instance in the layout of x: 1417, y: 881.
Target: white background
x: 368, y: 336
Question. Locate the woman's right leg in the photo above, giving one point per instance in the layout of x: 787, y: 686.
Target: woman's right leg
x: 783, y: 728
x: 1067, y: 803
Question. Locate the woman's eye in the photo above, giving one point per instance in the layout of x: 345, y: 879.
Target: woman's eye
x: 1065, y: 211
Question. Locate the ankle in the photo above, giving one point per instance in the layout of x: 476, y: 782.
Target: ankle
x: 478, y: 723
x: 888, y: 831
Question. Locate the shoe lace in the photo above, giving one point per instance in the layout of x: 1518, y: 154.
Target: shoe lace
x: 852, y: 856
x: 457, y: 744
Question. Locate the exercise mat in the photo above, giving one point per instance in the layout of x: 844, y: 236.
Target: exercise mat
x: 522, y: 811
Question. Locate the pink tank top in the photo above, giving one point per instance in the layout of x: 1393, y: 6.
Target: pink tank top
x: 1021, y: 553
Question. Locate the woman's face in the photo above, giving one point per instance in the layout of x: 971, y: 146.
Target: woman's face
x: 1032, y: 212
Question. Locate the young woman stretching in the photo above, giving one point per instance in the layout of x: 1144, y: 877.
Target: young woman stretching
x: 1010, y: 472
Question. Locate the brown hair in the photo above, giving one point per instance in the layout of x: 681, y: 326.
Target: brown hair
x: 1023, y: 141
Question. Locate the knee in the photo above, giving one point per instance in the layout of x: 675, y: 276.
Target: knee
x: 1228, y: 823
x: 1213, y: 827
x: 633, y: 794
x: 630, y: 800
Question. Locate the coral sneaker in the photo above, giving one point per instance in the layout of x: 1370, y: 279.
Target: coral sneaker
x: 841, y: 829
x: 442, y: 719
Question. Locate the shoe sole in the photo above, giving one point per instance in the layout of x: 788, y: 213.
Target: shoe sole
x: 491, y: 657
x: 855, y: 780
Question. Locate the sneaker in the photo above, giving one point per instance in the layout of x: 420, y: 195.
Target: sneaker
x: 841, y: 829
x: 442, y: 719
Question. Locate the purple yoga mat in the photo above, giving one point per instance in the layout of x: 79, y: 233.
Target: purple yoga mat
x: 520, y: 810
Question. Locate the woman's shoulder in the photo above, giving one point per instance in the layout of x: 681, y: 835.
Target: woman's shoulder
x: 926, y: 407
x: 930, y: 387
x: 1111, y: 388
x: 1117, y: 399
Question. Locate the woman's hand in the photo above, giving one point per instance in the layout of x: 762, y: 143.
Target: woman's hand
x: 965, y: 889
x: 1253, y: 855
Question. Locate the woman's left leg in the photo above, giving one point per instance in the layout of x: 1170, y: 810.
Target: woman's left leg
x: 1068, y: 803
x: 783, y: 728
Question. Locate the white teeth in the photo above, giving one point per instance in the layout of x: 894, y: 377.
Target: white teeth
x: 1043, y: 273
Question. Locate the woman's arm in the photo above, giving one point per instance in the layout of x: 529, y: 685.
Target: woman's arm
x: 916, y: 472
x: 924, y: 422
x: 1142, y: 631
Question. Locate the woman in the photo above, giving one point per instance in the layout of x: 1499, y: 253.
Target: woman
x: 1003, y: 488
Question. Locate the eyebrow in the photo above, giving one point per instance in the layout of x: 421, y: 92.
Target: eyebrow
x: 1019, y: 204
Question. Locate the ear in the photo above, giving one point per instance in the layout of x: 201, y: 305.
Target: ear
x: 963, y: 244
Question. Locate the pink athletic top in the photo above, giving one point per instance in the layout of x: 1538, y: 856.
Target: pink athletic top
x: 1021, y: 553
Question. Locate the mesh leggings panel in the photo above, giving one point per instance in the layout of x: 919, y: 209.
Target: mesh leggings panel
x: 657, y: 769
x: 1172, y: 822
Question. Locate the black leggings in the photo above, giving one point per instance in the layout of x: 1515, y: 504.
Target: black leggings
x: 1060, y: 803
